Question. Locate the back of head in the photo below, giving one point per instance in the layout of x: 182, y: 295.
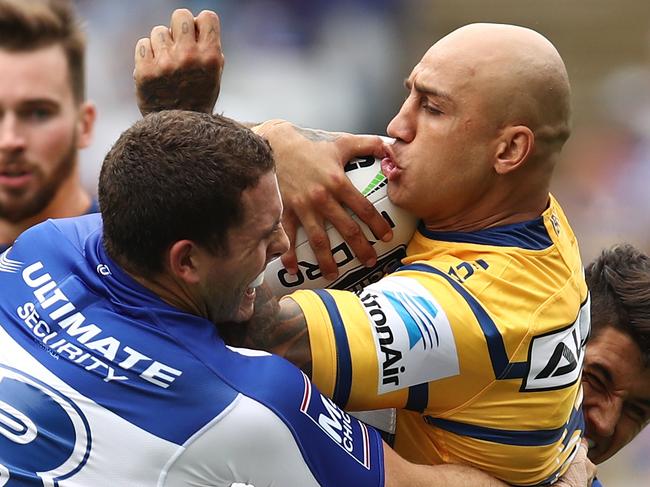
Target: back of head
x: 27, y: 25
x: 521, y: 77
x: 176, y: 175
x: 619, y: 282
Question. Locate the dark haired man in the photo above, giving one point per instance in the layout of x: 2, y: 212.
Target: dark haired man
x: 616, y: 375
x: 44, y: 117
x: 112, y: 371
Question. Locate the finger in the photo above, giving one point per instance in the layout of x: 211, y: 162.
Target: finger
x: 143, y: 54
x: 350, y: 231
x: 183, y: 32
x: 367, y: 213
x: 290, y: 225
x: 161, y: 39
x: 208, y: 29
x: 320, y: 244
x: 351, y: 146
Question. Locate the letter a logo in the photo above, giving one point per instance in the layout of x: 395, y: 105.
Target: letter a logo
x: 553, y: 368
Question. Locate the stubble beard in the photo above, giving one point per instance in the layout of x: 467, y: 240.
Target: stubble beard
x: 19, y: 209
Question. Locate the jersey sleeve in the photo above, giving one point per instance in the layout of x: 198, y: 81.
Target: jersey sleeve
x: 397, y: 344
x: 251, y: 443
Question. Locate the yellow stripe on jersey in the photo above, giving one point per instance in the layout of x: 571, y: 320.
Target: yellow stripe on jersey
x: 478, y: 338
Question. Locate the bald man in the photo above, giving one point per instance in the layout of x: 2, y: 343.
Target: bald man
x: 479, y: 338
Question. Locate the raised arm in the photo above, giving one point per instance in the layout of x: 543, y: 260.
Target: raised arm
x: 180, y: 66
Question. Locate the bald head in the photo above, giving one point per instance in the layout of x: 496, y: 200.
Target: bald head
x: 517, y: 72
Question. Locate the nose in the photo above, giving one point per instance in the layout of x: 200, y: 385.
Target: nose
x: 402, y: 126
x: 602, y: 418
x: 11, y: 137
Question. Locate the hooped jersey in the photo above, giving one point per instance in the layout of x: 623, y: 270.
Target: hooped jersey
x: 104, y: 384
x: 478, y: 340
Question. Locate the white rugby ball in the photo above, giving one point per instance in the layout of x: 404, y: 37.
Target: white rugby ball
x: 365, y: 174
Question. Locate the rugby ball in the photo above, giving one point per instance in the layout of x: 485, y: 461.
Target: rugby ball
x: 365, y: 174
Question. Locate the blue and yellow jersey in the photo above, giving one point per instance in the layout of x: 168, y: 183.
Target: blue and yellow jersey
x: 478, y: 339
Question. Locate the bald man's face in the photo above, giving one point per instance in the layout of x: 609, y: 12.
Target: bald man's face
x: 445, y: 132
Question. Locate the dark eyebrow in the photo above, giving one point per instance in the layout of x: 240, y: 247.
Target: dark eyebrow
x: 420, y: 88
x: 604, y: 371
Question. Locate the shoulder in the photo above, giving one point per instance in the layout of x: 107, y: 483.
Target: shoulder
x: 54, y: 235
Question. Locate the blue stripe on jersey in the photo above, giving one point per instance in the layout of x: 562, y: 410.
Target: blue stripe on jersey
x: 505, y: 437
x: 418, y: 398
x: 514, y: 437
x: 530, y: 235
x: 494, y: 340
x: 343, y: 382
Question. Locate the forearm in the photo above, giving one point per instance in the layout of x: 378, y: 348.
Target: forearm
x: 401, y: 473
x: 278, y: 328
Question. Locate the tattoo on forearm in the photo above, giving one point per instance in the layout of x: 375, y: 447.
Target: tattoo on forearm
x: 317, y: 135
x: 190, y: 89
x: 280, y: 330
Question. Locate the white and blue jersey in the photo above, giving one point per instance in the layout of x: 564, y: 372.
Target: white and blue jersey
x: 104, y: 384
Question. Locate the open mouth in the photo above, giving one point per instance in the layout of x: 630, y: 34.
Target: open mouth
x: 250, y: 291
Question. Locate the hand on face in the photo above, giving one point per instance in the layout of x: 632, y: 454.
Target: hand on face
x: 315, y: 190
x: 180, y: 66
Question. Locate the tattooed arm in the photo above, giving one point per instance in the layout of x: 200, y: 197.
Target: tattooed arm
x: 180, y: 66
x: 277, y: 327
x: 315, y: 190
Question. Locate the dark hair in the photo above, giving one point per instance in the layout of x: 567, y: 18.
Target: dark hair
x: 176, y: 175
x: 27, y: 25
x: 619, y: 282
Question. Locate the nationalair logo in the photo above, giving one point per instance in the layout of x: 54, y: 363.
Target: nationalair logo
x: 8, y: 265
x: 417, y: 314
x: 378, y: 182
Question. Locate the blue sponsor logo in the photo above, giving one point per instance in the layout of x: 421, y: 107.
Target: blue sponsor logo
x: 418, y: 315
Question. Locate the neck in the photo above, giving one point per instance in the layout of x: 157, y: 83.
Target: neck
x: 172, y: 291
x: 504, y: 209
x: 69, y: 200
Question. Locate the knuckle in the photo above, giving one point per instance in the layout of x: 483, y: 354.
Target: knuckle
x: 366, y: 210
x: 319, y: 195
x: 159, y: 29
x: 318, y: 240
x: 209, y: 14
x: 182, y: 11
x: 337, y: 180
x: 351, y: 231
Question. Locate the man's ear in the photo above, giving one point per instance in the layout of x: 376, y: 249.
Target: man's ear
x: 86, y: 124
x: 516, y: 144
x: 183, y: 261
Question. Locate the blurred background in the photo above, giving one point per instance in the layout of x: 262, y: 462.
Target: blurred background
x: 339, y: 65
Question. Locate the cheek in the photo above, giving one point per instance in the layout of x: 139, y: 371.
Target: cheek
x: 49, y: 141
